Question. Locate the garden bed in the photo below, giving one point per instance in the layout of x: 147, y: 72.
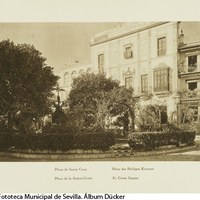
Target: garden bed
x: 91, y: 154
x: 146, y: 141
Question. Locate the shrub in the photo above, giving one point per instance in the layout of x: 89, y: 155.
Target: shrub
x: 36, y: 141
x: 61, y: 141
x: 97, y: 140
x: 148, y: 119
x: 5, y: 141
x: 55, y: 129
x: 151, y: 140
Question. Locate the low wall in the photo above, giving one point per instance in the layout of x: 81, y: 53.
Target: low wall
x: 90, y: 154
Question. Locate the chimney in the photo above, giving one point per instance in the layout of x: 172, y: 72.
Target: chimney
x: 181, y: 38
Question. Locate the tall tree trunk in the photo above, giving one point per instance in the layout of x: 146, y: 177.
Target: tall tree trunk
x: 132, y: 114
x: 125, y: 124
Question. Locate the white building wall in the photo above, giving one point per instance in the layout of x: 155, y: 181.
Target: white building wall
x: 144, y: 60
x: 68, y: 74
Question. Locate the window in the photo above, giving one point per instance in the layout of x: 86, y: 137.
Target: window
x: 161, y: 80
x: 81, y: 72
x: 192, y: 85
x: 128, y: 53
x: 74, y: 74
x: 101, y: 62
x: 128, y: 82
x: 192, y: 63
x: 161, y: 46
x: 144, y: 83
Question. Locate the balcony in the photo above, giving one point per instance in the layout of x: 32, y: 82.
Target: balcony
x: 190, y: 96
x: 195, y: 74
x: 192, y: 67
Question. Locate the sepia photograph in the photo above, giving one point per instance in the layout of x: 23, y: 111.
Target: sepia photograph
x: 99, y: 99
x: 100, y: 91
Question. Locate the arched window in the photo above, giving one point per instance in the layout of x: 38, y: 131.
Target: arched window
x: 74, y: 74
x: 81, y: 71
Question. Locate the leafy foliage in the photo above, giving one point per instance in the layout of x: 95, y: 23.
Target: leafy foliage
x: 188, y: 114
x: 59, y: 116
x: 26, y: 83
x: 57, y: 141
x: 122, y: 104
x: 188, y: 110
x: 149, y: 118
x: 95, y: 98
x: 150, y: 140
x: 88, y: 88
x: 187, y: 94
x: 97, y: 140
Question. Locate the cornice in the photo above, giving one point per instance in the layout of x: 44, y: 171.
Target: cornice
x: 128, y: 33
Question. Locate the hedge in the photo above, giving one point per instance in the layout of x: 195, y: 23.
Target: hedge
x: 94, y: 141
x: 151, y: 140
x: 100, y: 141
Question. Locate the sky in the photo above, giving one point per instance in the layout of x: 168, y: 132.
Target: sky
x: 59, y: 43
x: 62, y: 43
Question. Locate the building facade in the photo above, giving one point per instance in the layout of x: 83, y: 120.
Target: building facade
x: 70, y: 72
x: 150, y: 57
x: 189, y: 78
x: 143, y: 56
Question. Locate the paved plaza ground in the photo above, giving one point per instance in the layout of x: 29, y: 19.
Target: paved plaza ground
x: 191, y: 155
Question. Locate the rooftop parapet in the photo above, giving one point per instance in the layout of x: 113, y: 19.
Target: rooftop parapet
x: 122, y: 30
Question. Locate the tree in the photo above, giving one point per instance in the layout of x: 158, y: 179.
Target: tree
x: 87, y: 98
x: 26, y: 84
x: 88, y: 88
x: 187, y: 114
x: 94, y: 98
x: 123, y: 102
x: 149, y: 118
